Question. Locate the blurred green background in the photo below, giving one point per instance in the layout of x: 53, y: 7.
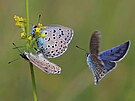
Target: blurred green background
x: 114, y: 18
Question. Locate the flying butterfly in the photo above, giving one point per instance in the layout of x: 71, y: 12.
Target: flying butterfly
x: 56, y: 41
x: 102, y: 63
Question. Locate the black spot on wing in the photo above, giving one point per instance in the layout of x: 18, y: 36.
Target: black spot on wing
x: 54, y: 31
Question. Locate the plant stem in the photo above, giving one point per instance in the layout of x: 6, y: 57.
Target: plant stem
x: 27, y: 16
x: 31, y: 65
x: 33, y: 82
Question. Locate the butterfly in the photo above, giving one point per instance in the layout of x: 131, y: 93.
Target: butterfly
x: 56, y: 41
x: 102, y: 63
x: 39, y: 61
x: 42, y: 63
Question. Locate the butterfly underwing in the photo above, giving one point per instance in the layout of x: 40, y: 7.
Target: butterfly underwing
x: 102, y: 63
x: 42, y: 63
x: 56, y: 41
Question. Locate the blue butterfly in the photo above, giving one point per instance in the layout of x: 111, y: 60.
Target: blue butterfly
x: 102, y: 63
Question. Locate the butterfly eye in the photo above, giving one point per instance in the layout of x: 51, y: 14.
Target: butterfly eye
x: 34, y: 26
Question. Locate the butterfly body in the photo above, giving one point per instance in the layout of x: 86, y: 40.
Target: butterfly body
x: 102, y: 63
x: 56, y: 40
x: 42, y: 63
x: 92, y: 64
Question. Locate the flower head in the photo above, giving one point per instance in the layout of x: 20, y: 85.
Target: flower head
x: 23, y: 34
x: 21, y: 22
x: 38, y: 30
x: 43, y: 35
x: 19, y: 19
x: 40, y: 25
x: 30, y: 37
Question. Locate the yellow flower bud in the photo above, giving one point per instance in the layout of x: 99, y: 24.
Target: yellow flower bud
x: 43, y: 35
x: 15, y: 16
x: 17, y: 23
x: 44, y: 27
x: 30, y: 38
x: 20, y: 21
x: 38, y: 30
x: 22, y: 34
x: 40, y: 25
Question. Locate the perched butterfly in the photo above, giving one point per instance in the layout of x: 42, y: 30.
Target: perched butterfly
x: 42, y: 63
x: 102, y: 63
x: 56, y: 41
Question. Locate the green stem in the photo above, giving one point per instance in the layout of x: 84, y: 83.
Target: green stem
x: 31, y: 65
x: 33, y: 82
x: 27, y: 16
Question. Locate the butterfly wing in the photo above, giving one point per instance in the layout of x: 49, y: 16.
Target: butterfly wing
x: 52, y: 48
x: 94, y: 63
x: 116, y: 53
x: 43, y: 64
x: 97, y: 68
x: 109, y: 65
x: 94, y: 43
x: 56, y: 41
x: 60, y: 32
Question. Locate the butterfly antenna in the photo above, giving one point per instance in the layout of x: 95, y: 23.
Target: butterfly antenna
x: 81, y: 48
x: 17, y: 48
x: 13, y: 60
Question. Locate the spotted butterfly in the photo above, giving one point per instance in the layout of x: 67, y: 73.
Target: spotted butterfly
x: 102, y: 63
x: 56, y: 40
x: 42, y: 63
